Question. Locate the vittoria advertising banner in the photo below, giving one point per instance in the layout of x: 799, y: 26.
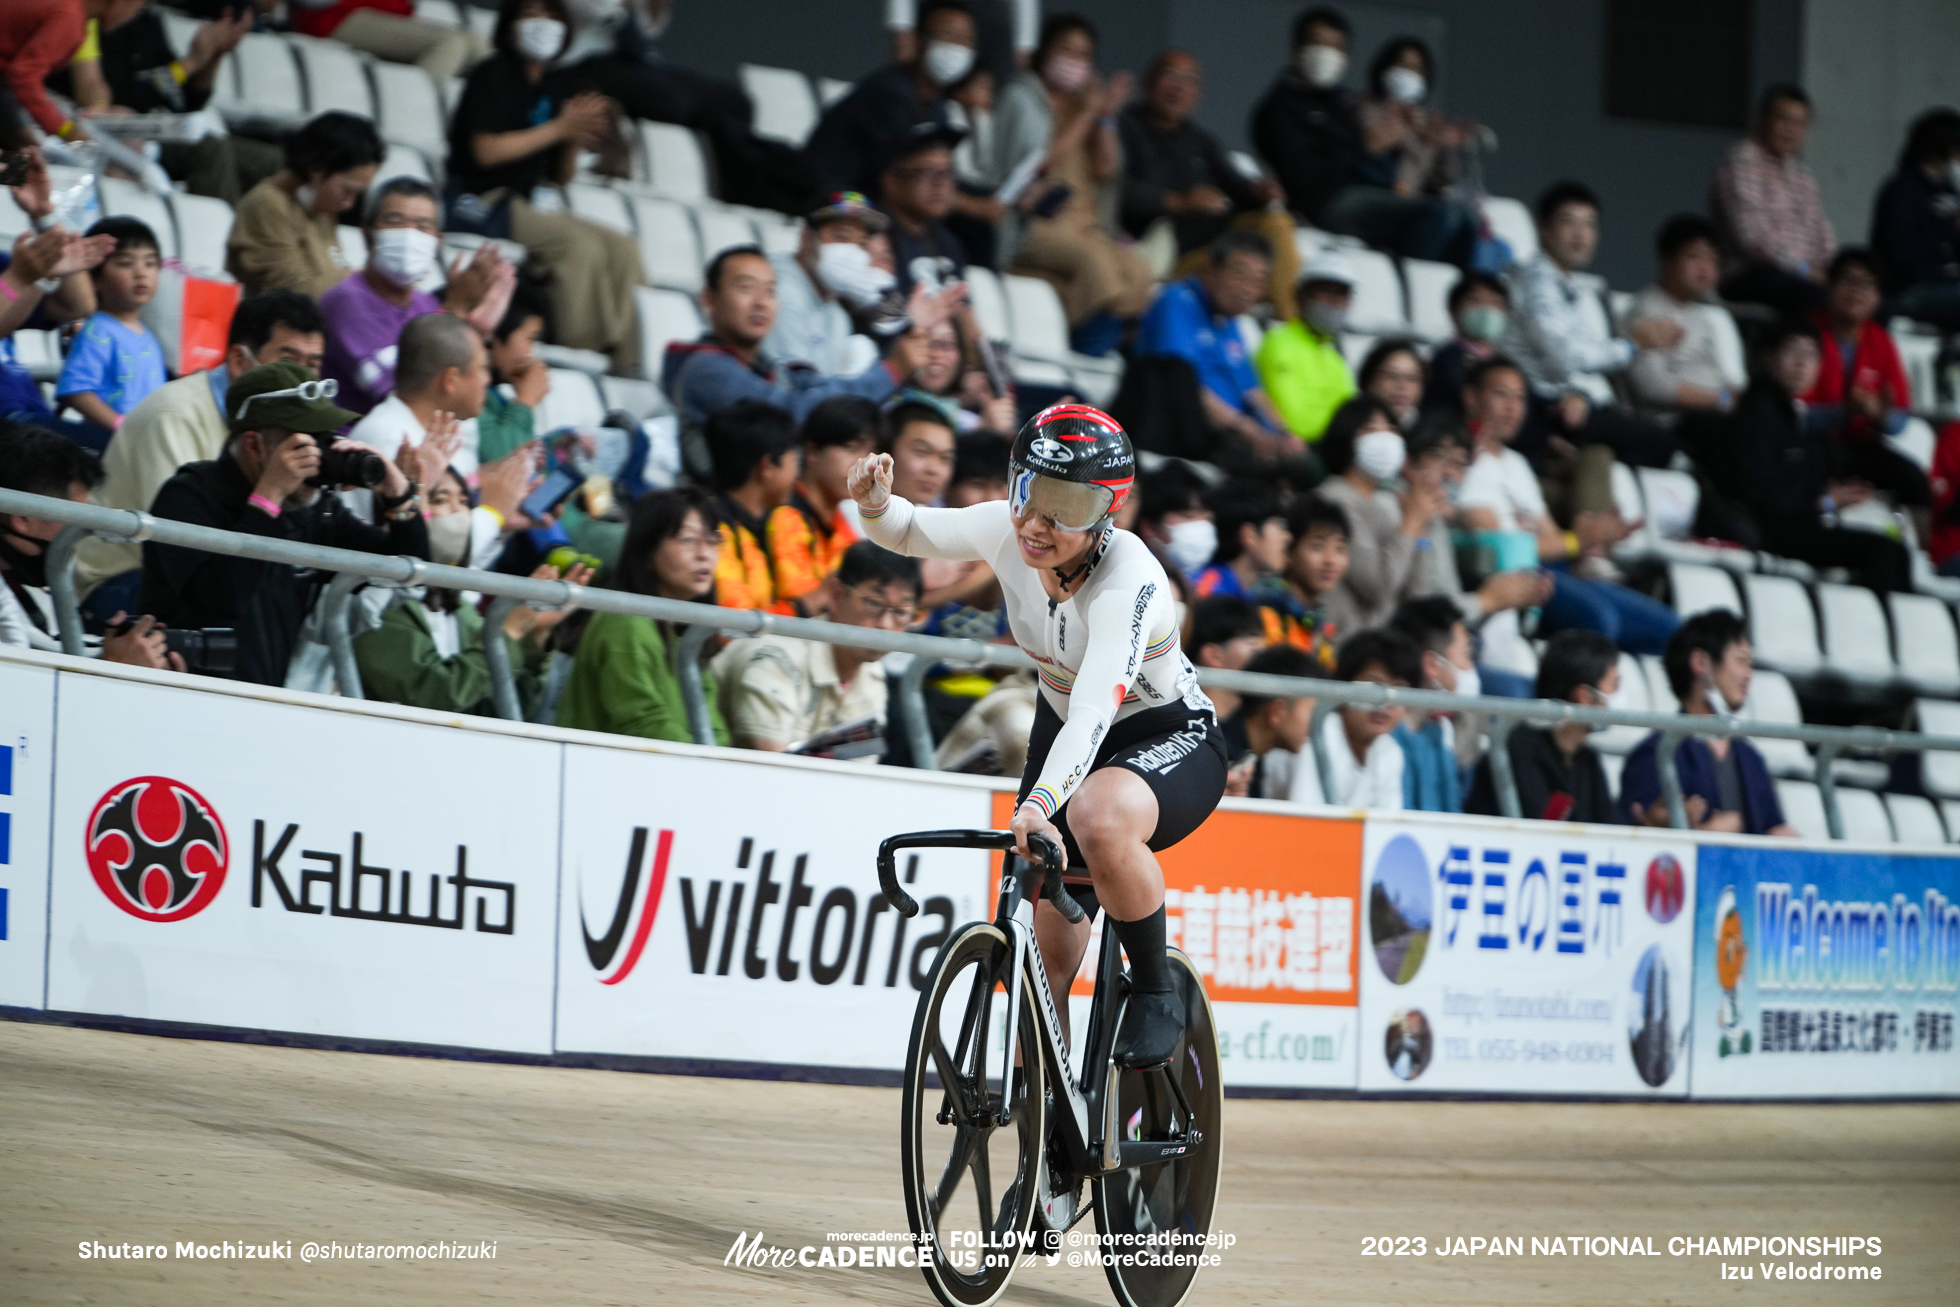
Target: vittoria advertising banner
x: 229, y: 861
x: 1825, y: 973
x: 26, y: 779
x: 718, y: 909
x: 1524, y: 957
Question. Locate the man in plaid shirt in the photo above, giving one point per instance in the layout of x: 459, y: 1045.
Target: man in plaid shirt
x: 1776, y: 239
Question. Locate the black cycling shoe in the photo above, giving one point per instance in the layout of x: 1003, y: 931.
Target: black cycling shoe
x: 1152, y: 1025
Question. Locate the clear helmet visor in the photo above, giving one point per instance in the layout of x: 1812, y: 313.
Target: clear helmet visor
x: 1070, y: 505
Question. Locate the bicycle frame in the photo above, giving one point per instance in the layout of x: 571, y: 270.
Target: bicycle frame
x: 1091, y: 1134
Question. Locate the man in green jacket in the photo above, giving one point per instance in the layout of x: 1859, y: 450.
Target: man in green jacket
x: 1300, y: 363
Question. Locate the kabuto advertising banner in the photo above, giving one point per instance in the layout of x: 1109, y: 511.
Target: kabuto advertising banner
x: 1825, y: 973
x: 1524, y: 957
x: 26, y: 779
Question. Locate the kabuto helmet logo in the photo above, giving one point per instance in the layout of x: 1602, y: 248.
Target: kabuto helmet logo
x: 157, y: 848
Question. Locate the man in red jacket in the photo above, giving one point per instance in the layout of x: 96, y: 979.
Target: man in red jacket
x: 39, y: 36
x: 1862, y: 395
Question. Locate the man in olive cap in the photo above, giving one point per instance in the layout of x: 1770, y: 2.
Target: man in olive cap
x: 265, y: 483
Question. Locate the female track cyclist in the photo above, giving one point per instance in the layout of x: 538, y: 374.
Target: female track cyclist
x: 1125, y: 757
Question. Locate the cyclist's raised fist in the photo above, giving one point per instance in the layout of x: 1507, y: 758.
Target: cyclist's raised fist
x: 871, y: 481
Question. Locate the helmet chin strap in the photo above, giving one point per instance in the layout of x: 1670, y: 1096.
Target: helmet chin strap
x: 1089, y: 559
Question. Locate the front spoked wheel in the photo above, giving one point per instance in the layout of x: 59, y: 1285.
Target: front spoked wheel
x: 970, y: 1182
x: 1173, y: 1199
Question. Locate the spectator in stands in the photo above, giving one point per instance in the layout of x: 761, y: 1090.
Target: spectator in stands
x: 755, y: 446
x: 1364, y: 452
x: 1692, y: 376
x: 1305, y: 127
x: 1558, y: 775
x: 1006, y: 29
x: 729, y: 365
x: 183, y: 422
x: 285, y: 234
x: 1227, y: 632
x: 1787, y: 477
x: 1480, y: 306
x: 1193, y: 321
x: 1913, y: 229
x: 367, y: 312
x: 55, y: 253
x: 1431, y: 778
x: 1394, y: 199
x: 133, y: 69
x: 624, y: 676
x: 114, y: 362
x: 34, y: 461
x: 1725, y: 784
x: 441, y: 374
x: 1301, y: 366
x: 949, y: 377
x: 508, y: 423
x: 916, y: 189
x: 1943, y: 532
x: 38, y: 37
x: 1501, y: 494
x: 261, y: 486
x: 1175, y: 171
x: 1566, y: 352
x: 1775, y: 237
x: 781, y: 692
x: 1862, y: 393
x: 1364, y: 763
x: 806, y: 538
x: 388, y: 29
x: 428, y: 650
x: 1393, y: 372
x: 857, y: 136
x: 1253, y: 541
x: 920, y: 439
x: 1063, y: 109
x: 1266, y: 736
x: 1175, y: 519
x: 512, y: 133
x: 1315, y: 613
x: 830, y: 270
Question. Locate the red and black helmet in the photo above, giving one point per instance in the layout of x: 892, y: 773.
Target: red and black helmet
x: 1073, y: 465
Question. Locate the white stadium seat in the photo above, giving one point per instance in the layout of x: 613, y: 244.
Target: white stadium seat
x: 1377, y: 305
x: 405, y: 161
x: 1915, y: 820
x: 989, y: 302
x: 481, y: 21
x: 1429, y: 287
x: 1929, y: 656
x: 1670, y: 499
x: 601, y: 204
x: 1803, y: 808
x: 353, y: 245
x: 1917, y: 441
x: 1355, y: 347
x: 1864, y: 817
x: 1782, y: 625
x: 572, y: 401
x: 1857, y: 640
x: 785, y: 106
x: 721, y: 229
x: 1773, y: 699
x: 1657, y: 684
x: 1698, y: 588
x: 775, y: 232
x: 452, y: 94
x: 1612, y: 764
x: 1919, y: 352
x: 268, y: 77
x: 12, y: 221
x: 39, y: 352
x: 1950, y: 812
x: 665, y: 316
x: 670, y: 253
x: 335, y: 79
x: 1939, y: 772
x: 203, y: 227
x: 676, y: 166
x: 130, y: 200
x: 1512, y: 223
x: 439, y: 13
x: 830, y: 90
x: 1636, y: 698
x: 408, y: 107
x: 641, y: 399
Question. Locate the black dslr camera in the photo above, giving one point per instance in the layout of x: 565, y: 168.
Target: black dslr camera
x: 347, y: 467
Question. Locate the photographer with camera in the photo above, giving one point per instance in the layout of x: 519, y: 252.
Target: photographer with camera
x: 277, y: 477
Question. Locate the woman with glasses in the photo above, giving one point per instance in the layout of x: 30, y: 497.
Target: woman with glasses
x: 624, y: 676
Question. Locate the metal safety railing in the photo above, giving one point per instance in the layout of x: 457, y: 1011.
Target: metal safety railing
x: 702, y: 620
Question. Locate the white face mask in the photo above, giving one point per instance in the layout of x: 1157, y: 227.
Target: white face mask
x: 1192, y: 544
x: 1404, y: 84
x: 947, y: 63
x: 449, y: 539
x: 1066, y: 73
x: 307, y: 196
x: 403, y: 255
x: 1467, y: 680
x: 1327, y: 319
x: 1718, y: 703
x: 1323, y: 65
x: 1381, y: 454
x: 540, y: 38
x: 847, y: 270
x: 1485, y: 322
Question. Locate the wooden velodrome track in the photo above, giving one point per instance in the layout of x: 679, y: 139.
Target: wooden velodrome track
x: 603, y: 1187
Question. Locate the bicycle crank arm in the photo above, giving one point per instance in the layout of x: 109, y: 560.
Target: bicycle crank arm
x: 1143, y: 1152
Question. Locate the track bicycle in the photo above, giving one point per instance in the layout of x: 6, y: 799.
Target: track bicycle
x: 999, y: 1135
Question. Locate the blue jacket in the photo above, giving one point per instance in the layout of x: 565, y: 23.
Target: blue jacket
x: 703, y: 377
x: 1640, y: 781
x: 1431, y: 780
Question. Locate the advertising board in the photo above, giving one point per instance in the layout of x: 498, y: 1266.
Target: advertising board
x: 238, y: 862
x: 1524, y: 958
x: 26, y: 781
x: 1825, y: 973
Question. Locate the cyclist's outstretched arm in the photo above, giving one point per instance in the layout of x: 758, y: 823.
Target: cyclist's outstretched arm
x: 897, y: 523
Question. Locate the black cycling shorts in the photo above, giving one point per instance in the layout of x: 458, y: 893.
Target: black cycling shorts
x: 1179, y: 752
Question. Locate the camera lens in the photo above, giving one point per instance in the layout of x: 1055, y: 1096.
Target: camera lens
x: 350, y: 467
